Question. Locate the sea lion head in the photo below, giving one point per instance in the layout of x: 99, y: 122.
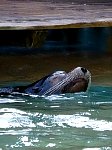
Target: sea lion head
x: 77, y: 80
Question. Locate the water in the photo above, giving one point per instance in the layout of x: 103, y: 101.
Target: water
x: 69, y: 121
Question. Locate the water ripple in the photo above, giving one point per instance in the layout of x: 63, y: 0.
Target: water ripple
x: 79, y: 120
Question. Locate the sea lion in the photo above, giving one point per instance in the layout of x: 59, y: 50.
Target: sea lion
x: 58, y: 82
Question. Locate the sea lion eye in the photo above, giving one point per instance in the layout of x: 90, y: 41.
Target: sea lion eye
x: 84, y: 70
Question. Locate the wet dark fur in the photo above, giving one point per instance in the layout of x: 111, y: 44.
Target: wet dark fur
x: 41, y: 86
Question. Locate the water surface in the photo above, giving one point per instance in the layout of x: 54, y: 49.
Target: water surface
x: 68, y: 121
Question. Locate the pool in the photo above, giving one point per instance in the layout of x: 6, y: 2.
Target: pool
x: 68, y: 121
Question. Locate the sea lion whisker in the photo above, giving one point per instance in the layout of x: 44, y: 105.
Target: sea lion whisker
x: 59, y: 85
x: 70, y: 77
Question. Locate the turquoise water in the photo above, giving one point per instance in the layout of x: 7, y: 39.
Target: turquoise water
x: 80, y: 121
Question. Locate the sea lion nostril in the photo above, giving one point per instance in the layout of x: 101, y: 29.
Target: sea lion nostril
x: 84, y: 70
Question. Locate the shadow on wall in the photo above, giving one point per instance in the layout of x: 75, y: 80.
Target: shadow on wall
x: 78, y: 40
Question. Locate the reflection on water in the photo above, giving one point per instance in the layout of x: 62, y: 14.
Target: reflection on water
x: 65, y: 121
